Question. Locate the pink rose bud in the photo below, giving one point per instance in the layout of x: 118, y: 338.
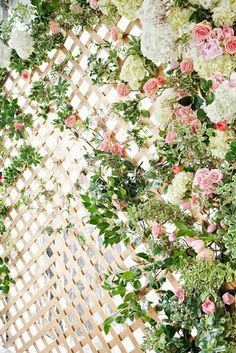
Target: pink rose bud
x: 198, y: 245
x: 117, y: 149
x: 115, y: 34
x: 151, y: 86
x: 172, y: 237
x: 25, y: 75
x: 230, y: 45
x: 105, y: 145
x: 170, y: 137
x: 54, y: 27
x: 70, y: 121
x: 186, y: 205
x: 228, y: 32
x: 228, y: 298
x: 160, y: 80
x: 211, y: 228
x: 186, y: 66
x: 208, y: 307
x: 201, y: 31
x: 19, y: 126
x: 174, y: 65
x: 216, y: 33
x: 157, y: 229
x: 176, y: 169
x: 122, y: 89
x: 180, y: 294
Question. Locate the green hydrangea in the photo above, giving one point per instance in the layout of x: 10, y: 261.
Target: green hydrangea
x: 128, y: 8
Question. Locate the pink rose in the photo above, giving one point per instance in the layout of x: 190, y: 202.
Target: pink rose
x: 180, y: 294
x: 174, y: 65
x: 195, y: 125
x: 206, y: 254
x: 122, y: 89
x: 228, y: 298
x: 151, y: 86
x: 105, y: 145
x: 176, y: 169
x: 186, y: 205
x: 181, y: 111
x: 25, y: 75
x: 230, y: 45
x: 186, y: 66
x: 201, y: 31
x: 117, y: 149
x: 172, y: 237
x: 70, y: 121
x: 115, y: 34
x: 217, y: 79
x: 19, y: 126
x: 208, y: 307
x: 200, y: 175
x: 215, y: 176
x: 54, y: 27
x: 198, y: 245
x: 216, y: 33
x: 211, y: 228
x: 157, y: 229
x: 160, y: 80
x: 210, y: 49
x: 190, y: 240
x: 170, y: 137
x: 228, y: 32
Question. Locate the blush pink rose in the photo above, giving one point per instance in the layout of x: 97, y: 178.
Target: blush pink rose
x: 181, y: 295
x: 122, y: 89
x: 215, y: 176
x: 170, y: 137
x: 216, y: 33
x: 228, y: 298
x: 174, y: 65
x: 201, y: 31
x: 54, y: 27
x: 186, y: 205
x: 228, y: 32
x: 117, y: 149
x: 211, y: 228
x: 115, y: 34
x: 232, y: 83
x: 217, y: 79
x: 198, y: 245
x: 172, y: 237
x: 25, y: 75
x: 157, y: 229
x: 70, y: 121
x: 105, y: 145
x: 186, y: 66
x: 208, y: 307
x: 230, y: 45
x: 19, y: 126
x: 200, y: 175
x: 151, y: 86
x: 181, y: 111
x: 206, y: 255
x: 190, y: 240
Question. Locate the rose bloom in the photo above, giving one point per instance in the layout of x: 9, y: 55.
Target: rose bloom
x: 201, y: 31
x: 217, y: 79
x: 19, y: 126
x: 174, y: 65
x: 180, y: 294
x: 54, y: 27
x: 115, y: 34
x: 230, y: 45
x: 232, y: 83
x: 206, y: 255
x: 157, y: 229
x: 93, y: 3
x: 151, y: 86
x: 186, y: 205
x: 25, y: 75
x: 221, y: 126
x: 211, y: 228
x: 198, y: 245
x: 215, y: 176
x: 186, y: 66
x: 117, y: 149
x: 170, y: 137
x: 122, y: 89
x: 160, y: 80
x: 228, y: 32
x: 190, y: 240
x: 70, y: 121
x: 181, y: 111
x: 176, y: 169
x: 195, y: 125
x: 105, y: 145
x: 216, y: 33
x: 208, y: 307
x: 228, y: 298
x: 172, y: 237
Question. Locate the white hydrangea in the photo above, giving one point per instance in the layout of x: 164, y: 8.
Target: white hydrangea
x: 106, y: 6
x: 178, y: 20
x: 225, y: 13
x: 224, y: 105
x: 22, y: 42
x: 157, y: 37
x: 206, y: 4
x: 219, y: 144
x: 163, y: 107
x: 128, y: 8
x: 133, y: 71
x: 5, y: 55
x: 179, y: 186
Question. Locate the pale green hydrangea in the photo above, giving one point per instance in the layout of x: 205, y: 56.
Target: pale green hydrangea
x: 224, y: 14
x: 163, y: 108
x: 106, y: 6
x: 178, y: 19
x: 219, y: 144
x: 133, y: 71
x: 128, y: 8
x: 179, y: 186
x: 207, y: 68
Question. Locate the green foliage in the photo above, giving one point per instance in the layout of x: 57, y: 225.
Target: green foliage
x: 131, y: 110
x: 28, y: 156
x: 5, y: 279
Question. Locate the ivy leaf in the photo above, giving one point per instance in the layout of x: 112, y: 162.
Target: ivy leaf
x: 185, y: 101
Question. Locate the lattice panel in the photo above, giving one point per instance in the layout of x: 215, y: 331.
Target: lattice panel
x: 57, y: 304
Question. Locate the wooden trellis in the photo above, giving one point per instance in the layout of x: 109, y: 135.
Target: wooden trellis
x: 57, y: 303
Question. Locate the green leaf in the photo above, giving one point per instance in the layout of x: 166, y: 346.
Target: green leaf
x: 185, y: 101
x: 128, y: 276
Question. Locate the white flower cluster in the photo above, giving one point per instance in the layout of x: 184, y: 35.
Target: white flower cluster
x: 133, y: 71
x: 219, y: 144
x: 22, y: 42
x: 179, y: 186
x: 157, y: 38
x: 223, y: 108
x: 5, y: 55
x: 127, y: 8
x: 163, y: 107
